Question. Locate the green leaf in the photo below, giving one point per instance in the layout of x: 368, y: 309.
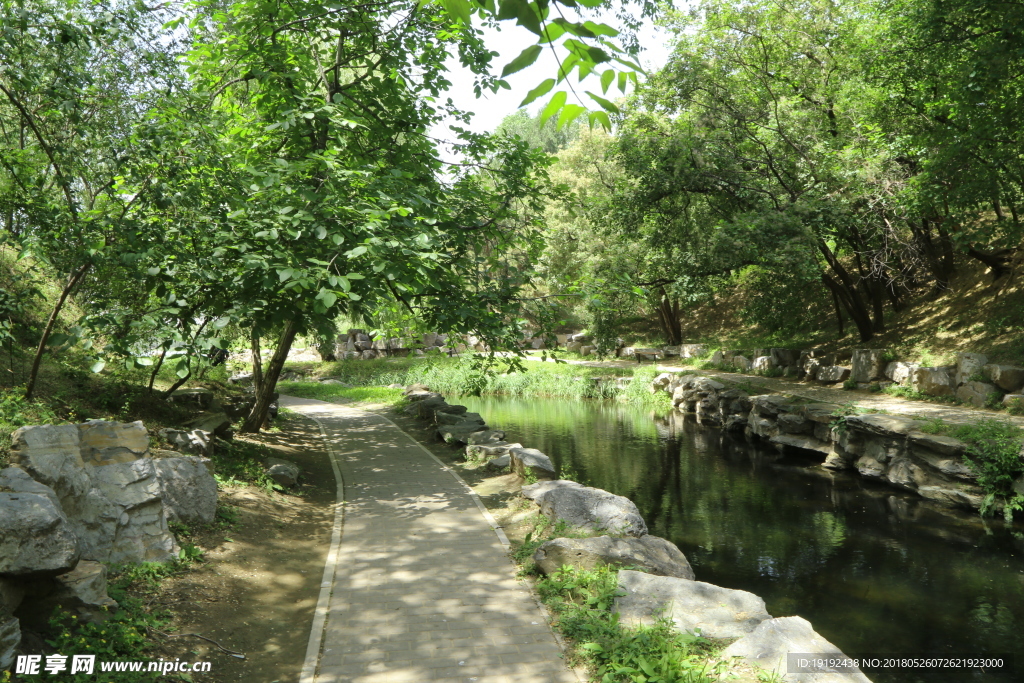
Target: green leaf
x: 623, y: 80
x: 525, y: 59
x: 285, y: 274
x: 357, y: 251
x: 540, y: 91
x: 553, y: 31
x: 600, y: 29
x: 152, y: 271
x: 98, y: 366
x: 556, y: 103
x: 602, y: 118
x: 459, y: 9
x: 569, y: 113
x: 606, y: 104
x: 57, y: 338
x: 606, y: 79
x: 328, y: 297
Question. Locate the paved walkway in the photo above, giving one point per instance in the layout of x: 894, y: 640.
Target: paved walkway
x: 955, y: 414
x: 418, y: 586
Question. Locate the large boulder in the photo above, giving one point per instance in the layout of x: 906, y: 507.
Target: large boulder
x: 82, y: 592
x: 933, y: 381
x: 771, y: 641
x: 218, y: 424
x: 690, y: 605
x: 831, y: 374
x: 977, y: 393
x: 527, y: 461
x: 114, y: 508
x: 901, y: 372
x: 587, y: 507
x: 122, y: 519
x: 10, y: 638
x: 1009, y: 378
x: 968, y: 366
x: 867, y: 365
x: 742, y: 363
x: 36, y: 537
x: 763, y: 364
x: 189, y: 490
x: 648, y: 553
x: 444, y: 417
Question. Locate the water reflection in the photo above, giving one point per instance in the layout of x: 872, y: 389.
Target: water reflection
x: 875, y: 570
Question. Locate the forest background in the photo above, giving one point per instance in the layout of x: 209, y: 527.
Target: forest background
x: 181, y: 179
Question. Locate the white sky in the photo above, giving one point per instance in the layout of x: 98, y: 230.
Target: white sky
x: 491, y: 108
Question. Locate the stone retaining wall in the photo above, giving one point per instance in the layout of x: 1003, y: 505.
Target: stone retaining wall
x: 886, y: 448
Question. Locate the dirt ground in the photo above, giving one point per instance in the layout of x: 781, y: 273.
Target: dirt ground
x: 256, y: 592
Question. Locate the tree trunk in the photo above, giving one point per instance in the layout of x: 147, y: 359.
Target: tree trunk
x: 176, y: 385
x: 156, y: 369
x: 845, y: 288
x: 73, y: 281
x: 668, y: 316
x: 838, y: 307
x: 264, y: 397
x: 257, y: 362
x: 998, y: 260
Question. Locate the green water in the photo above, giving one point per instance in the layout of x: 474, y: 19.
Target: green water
x: 873, y: 569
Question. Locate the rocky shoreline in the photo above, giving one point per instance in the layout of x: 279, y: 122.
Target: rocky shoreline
x: 659, y: 582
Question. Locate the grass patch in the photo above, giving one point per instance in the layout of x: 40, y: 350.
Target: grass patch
x: 337, y: 393
x: 240, y: 463
x: 581, y: 601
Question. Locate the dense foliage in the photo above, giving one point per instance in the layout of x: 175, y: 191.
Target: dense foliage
x: 821, y: 155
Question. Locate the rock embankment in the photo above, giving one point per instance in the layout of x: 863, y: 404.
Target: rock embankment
x: 889, y: 448
x: 660, y: 582
x: 78, y: 497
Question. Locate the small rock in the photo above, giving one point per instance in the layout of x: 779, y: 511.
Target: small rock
x: 194, y: 442
x: 531, y: 461
x: 831, y: 374
x: 500, y: 463
x: 283, y: 472
x: 491, y: 436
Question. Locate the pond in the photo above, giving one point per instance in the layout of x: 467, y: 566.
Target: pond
x: 875, y: 570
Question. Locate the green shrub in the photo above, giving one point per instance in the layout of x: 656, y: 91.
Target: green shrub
x: 994, y: 453
x: 582, y: 602
x: 850, y: 384
x: 1015, y: 406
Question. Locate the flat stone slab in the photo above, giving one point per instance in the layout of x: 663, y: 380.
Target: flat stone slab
x: 768, y: 645
x: 690, y: 605
x: 650, y: 554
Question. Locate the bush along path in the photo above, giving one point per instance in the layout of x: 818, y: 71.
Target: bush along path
x: 418, y: 584
x: 627, y: 602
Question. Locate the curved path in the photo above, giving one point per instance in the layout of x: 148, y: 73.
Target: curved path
x: 418, y: 585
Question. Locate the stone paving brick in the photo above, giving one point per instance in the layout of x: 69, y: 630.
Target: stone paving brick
x: 423, y: 590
